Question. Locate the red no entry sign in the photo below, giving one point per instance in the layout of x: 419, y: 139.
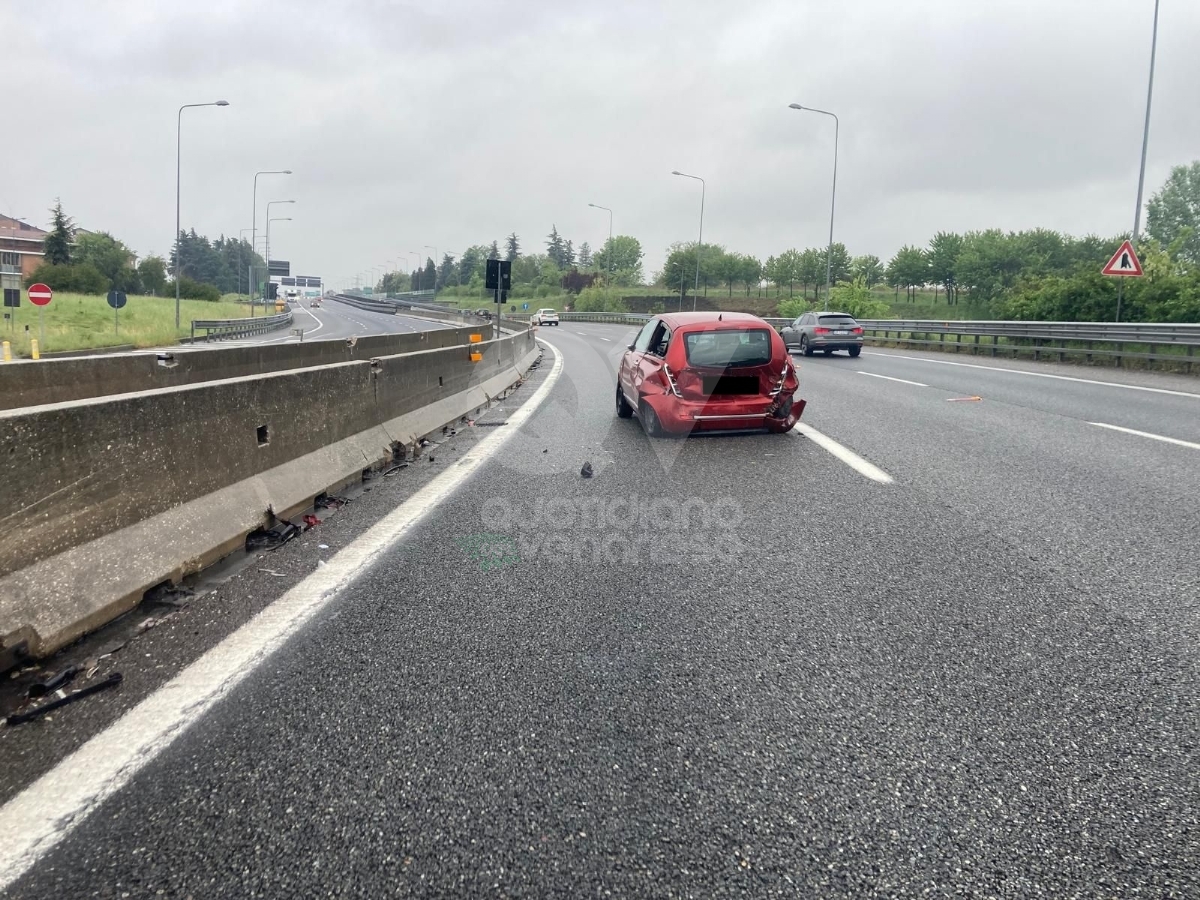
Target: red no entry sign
x: 40, y: 294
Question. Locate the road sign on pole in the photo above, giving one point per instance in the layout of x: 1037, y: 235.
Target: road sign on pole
x: 116, y: 299
x: 1124, y: 263
x: 40, y: 295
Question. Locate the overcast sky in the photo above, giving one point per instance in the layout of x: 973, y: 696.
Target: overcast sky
x: 455, y: 122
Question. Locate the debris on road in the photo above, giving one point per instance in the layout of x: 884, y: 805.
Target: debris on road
x: 52, y: 683
x: 38, y: 711
x: 271, y: 538
x: 273, y: 572
x: 329, y: 501
x: 396, y: 468
x: 310, y: 521
x: 586, y: 471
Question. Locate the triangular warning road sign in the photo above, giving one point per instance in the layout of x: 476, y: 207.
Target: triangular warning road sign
x: 1124, y: 262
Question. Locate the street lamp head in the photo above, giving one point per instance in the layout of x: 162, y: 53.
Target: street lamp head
x: 676, y: 172
x: 795, y: 106
x: 221, y: 103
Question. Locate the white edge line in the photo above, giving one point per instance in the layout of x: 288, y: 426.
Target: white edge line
x: 45, y: 812
x: 890, y: 378
x: 1112, y: 384
x: 1147, y: 434
x: 849, y: 457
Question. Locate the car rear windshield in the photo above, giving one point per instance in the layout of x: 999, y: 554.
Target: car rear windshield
x: 837, y: 322
x: 728, y: 348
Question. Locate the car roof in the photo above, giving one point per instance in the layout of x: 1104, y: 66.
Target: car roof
x: 712, y: 319
x: 838, y: 315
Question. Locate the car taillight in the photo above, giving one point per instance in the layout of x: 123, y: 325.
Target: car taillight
x: 819, y: 330
x: 857, y: 329
x: 779, y: 384
x: 671, y: 380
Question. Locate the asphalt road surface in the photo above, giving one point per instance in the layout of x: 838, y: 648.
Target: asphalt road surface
x: 333, y: 320
x: 729, y: 666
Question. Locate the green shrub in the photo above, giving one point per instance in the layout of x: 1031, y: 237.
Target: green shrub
x: 599, y: 299
x: 855, y: 298
x: 197, y: 290
x: 76, y: 279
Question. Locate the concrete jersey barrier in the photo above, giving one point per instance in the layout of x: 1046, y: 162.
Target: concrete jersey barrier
x: 76, y: 378
x: 112, y: 496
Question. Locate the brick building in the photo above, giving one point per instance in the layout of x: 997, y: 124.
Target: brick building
x: 21, y: 251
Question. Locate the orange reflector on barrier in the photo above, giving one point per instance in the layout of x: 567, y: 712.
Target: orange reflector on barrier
x: 476, y: 338
x: 476, y: 357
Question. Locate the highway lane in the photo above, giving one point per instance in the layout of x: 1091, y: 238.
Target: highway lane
x: 725, y: 666
x: 334, y: 321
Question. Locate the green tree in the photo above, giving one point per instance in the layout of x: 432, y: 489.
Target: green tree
x: 868, y: 268
x: 472, y: 263
x: 989, y: 263
x: 943, y: 262
x: 854, y: 297
x: 429, y: 275
x: 152, y: 272
x: 750, y: 272
x: 555, y: 246
x: 621, y: 255
x: 908, y: 269
x: 494, y: 251
x: 110, y: 258
x: 82, y: 278
x: 585, y: 255
x: 57, y: 246
x: 1173, y: 213
x: 568, y: 256
x: 514, y: 247
x: 810, y: 270
x: 447, y: 272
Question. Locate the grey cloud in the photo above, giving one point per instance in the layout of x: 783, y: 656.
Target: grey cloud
x: 456, y: 123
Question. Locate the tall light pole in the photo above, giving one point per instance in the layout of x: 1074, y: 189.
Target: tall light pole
x: 700, y: 242
x: 833, y: 197
x: 1137, y: 212
x: 610, y: 243
x: 267, y: 247
x: 178, y: 169
x: 254, y: 217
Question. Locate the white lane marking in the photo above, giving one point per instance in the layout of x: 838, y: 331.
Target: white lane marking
x: 1112, y: 384
x: 890, y: 378
x: 34, y: 821
x: 1147, y: 434
x: 605, y: 339
x: 849, y: 457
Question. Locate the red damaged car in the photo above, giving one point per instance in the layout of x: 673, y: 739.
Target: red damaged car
x: 708, y: 371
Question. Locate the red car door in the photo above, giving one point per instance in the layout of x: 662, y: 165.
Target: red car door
x: 651, y: 364
x: 631, y: 373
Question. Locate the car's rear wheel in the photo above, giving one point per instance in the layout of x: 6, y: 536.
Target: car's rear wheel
x: 854, y: 351
x: 804, y: 348
x: 624, y: 410
x: 650, y: 421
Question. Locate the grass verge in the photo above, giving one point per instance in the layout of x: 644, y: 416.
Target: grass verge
x: 85, y: 321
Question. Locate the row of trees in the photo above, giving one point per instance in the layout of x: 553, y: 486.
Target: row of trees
x: 90, y: 262
x: 96, y: 262
x: 561, y: 267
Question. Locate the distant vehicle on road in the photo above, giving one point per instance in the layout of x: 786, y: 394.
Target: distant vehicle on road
x: 483, y: 313
x: 824, y: 331
x: 316, y: 303
x: 292, y: 296
x: 708, y: 371
x: 544, y: 317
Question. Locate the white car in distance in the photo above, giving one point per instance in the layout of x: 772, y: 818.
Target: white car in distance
x: 545, y: 317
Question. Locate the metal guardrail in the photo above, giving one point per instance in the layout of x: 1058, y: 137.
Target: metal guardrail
x: 227, y: 328
x: 1170, y: 344
x: 1151, y: 342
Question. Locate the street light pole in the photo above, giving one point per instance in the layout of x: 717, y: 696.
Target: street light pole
x: 178, y: 170
x: 700, y: 242
x: 610, y: 239
x: 241, y: 246
x: 833, y: 197
x: 254, y: 218
x: 267, y: 246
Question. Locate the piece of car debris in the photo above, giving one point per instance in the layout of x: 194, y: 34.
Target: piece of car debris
x: 52, y: 683
x: 38, y: 711
x: 396, y: 468
x: 310, y: 521
x: 586, y: 471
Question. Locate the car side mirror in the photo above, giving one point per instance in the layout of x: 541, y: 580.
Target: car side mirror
x: 630, y: 347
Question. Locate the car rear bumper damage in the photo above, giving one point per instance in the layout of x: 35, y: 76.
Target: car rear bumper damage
x: 684, y: 416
